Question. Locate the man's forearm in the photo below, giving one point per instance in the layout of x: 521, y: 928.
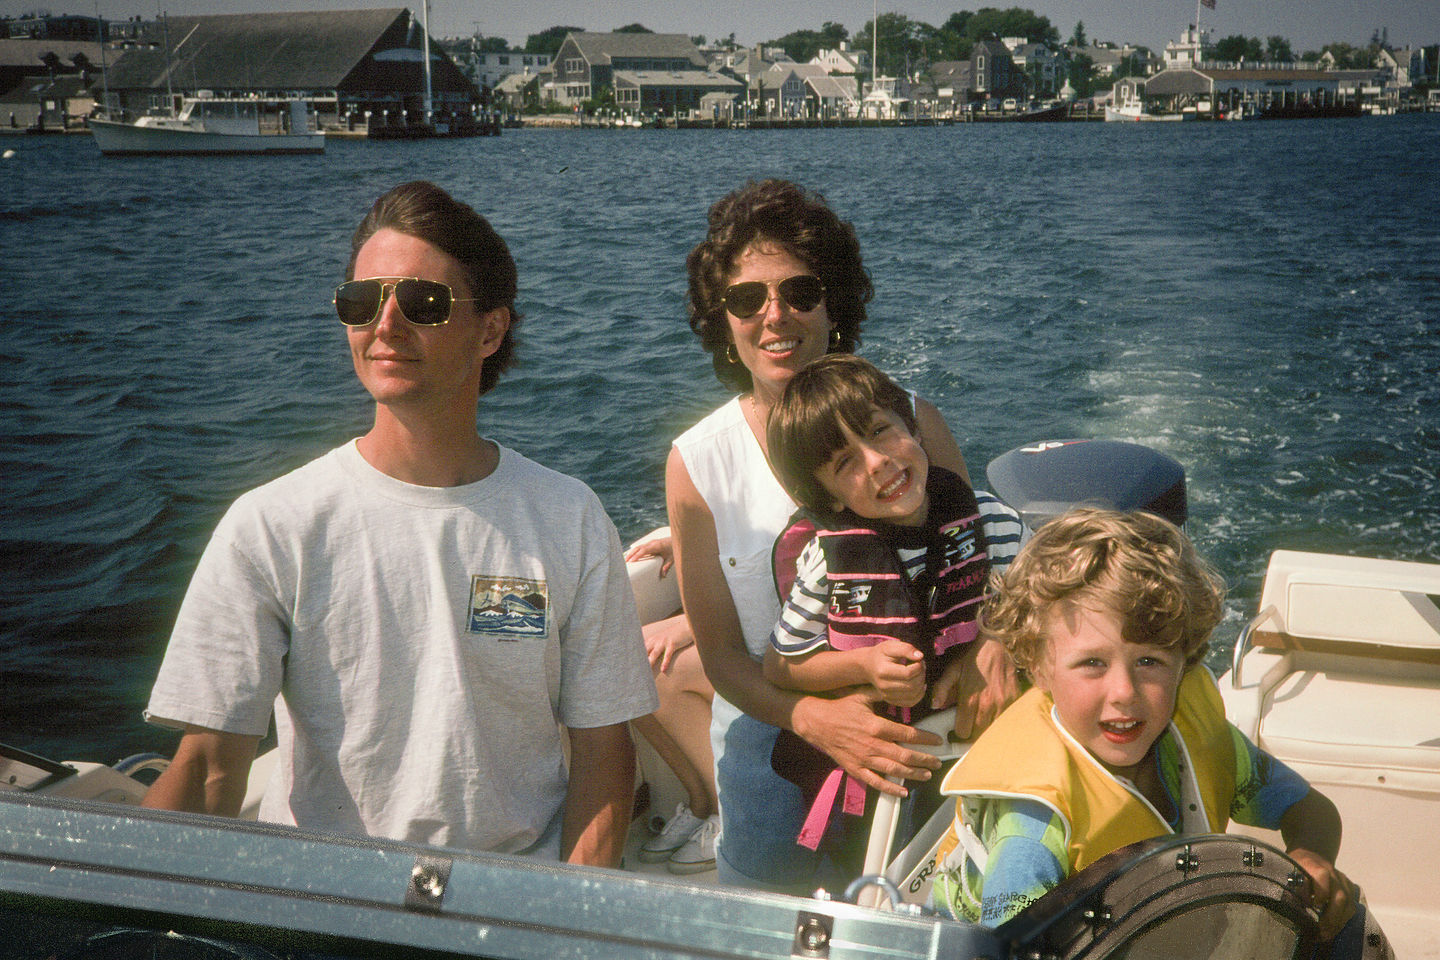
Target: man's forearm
x: 600, y: 798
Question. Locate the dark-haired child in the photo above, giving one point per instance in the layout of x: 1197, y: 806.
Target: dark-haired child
x: 894, y: 562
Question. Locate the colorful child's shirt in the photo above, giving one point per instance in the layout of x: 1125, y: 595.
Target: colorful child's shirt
x: 1027, y: 848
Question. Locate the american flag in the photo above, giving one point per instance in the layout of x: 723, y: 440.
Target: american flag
x: 1208, y: 4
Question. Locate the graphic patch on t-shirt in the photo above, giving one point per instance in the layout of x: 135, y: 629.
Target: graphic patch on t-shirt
x: 508, y: 607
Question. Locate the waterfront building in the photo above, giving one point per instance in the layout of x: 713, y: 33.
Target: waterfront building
x: 1043, y: 66
x: 993, y: 73
x: 952, y: 83
x: 46, y: 78
x: 1187, y: 51
x: 1276, y: 89
x: 842, y: 60
x: 587, y: 62
x: 351, y: 65
x: 804, y: 90
x: 47, y: 27
x: 672, y: 93
x: 488, y: 69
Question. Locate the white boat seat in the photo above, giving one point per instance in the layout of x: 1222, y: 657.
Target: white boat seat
x: 1339, y: 675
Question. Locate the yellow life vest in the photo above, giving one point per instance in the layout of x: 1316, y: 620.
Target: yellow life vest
x: 1025, y: 754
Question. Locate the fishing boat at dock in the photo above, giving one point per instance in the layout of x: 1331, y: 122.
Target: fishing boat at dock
x: 215, y: 126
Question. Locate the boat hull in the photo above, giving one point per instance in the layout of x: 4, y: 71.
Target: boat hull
x: 1122, y: 115
x: 124, y: 139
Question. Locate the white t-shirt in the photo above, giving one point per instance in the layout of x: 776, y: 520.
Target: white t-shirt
x: 421, y: 647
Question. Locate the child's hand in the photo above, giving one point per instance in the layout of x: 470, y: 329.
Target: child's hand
x: 1331, y: 893
x: 897, y: 670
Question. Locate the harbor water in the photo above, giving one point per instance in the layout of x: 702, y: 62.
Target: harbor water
x: 1259, y: 300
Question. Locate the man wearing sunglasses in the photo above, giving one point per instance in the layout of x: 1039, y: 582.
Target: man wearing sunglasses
x: 435, y: 619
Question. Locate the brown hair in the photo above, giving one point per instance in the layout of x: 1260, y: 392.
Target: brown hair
x: 1136, y: 565
x: 421, y: 209
x: 804, y: 429
x: 784, y: 215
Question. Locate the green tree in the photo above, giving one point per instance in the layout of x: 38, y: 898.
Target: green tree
x: 833, y: 34
x: 1238, y: 47
x: 1082, y: 75
x: 549, y: 41
x: 902, y: 41
x: 479, y: 44
x: 1078, y: 39
x: 1347, y: 57
x: 1011, y: 22
x: 800, y: 45
x: 603, y: 98
x: 1277, y: 50
x: 633, y: 28
x: 950, y: 41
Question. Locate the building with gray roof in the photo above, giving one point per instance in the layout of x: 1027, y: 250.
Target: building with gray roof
x: 346, y: 62
x: 586, y: 62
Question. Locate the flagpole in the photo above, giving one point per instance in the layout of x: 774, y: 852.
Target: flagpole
x: 1199, y: 46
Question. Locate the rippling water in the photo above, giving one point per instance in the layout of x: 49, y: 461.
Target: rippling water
x: 1260, y: 300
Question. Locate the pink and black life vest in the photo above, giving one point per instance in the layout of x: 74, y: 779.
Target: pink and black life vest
x: 870, y: 597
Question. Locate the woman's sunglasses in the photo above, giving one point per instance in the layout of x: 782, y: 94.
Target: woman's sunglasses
x: 423, y: 302
x: 802, y: 291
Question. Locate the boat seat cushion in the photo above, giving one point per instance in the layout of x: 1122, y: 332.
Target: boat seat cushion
x: 1385, y: 728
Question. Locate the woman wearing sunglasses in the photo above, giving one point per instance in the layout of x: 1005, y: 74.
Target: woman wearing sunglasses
x: 777, y: 283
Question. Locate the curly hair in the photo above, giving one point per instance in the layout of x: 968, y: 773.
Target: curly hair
x: 1136, y: 565
x: 798, y: 221
x: 423, y: 210
x: 804, y: 430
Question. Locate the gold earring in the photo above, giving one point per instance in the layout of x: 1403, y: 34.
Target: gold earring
x: 732, y: 354
x: 834, y: 338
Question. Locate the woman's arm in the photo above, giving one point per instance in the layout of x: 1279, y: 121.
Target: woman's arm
x: 938, y: 441
x: 981, y: 681
x: 867, y: 746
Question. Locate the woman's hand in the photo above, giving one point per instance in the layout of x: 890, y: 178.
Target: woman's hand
x: 866, y: 745
x: 664, y: 639
x: 1332, y: 894
x: 897, y: 671
x: 979, y: 683
x: 662, y: 547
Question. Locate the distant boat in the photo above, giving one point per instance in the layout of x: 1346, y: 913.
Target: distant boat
x: 1134, y: 112
x: 213, y: 125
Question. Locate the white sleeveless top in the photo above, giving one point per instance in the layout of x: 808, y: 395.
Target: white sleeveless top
x: 750, y: 508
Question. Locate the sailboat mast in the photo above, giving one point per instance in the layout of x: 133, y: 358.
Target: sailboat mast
x: 104, y: 67
x: 169, y: 90
x: 875, y: 47
x: 425, y: 45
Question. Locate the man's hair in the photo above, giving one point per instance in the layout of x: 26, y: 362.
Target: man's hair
x: 1137, y: 566
x: 804, y: 430
x: 422, y: 210
x: 783, y: 215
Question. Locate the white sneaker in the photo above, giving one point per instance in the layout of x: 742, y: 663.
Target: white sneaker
x: 698, y: 853
x: 677, y: 831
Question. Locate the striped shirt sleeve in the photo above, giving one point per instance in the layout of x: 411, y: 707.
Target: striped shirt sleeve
x: 1005, y: 533
x: 802, y: 627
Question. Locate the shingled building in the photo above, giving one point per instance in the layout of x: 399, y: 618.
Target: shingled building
x: 347, y: 63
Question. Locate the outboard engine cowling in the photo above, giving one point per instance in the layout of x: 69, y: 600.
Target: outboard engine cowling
x: 1043, y: 480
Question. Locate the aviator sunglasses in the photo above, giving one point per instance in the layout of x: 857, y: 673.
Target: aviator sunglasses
x: 425, y: 303
x: 802, y: 291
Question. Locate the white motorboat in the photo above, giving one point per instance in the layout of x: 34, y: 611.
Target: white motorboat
x: 1338, y: 675
x: 215, y: 125
x: 1134, y: 112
